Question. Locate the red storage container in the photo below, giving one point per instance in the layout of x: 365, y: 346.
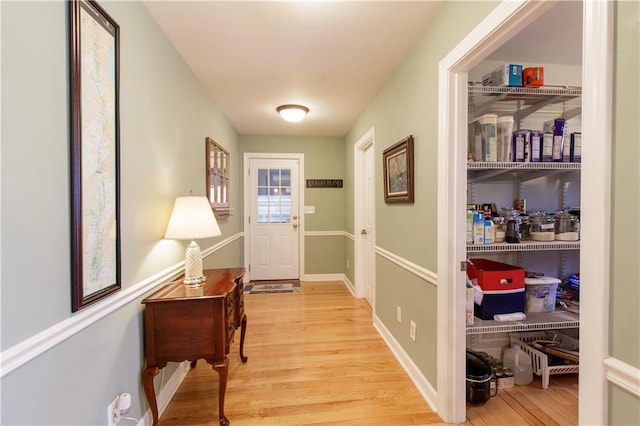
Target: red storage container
x: 495, y: 276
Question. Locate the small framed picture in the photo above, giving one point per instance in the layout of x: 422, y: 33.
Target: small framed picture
x: 398, y: 172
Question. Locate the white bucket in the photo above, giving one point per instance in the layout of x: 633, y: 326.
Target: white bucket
x: 540, y: 294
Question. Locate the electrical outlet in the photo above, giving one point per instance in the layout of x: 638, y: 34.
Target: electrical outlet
x: 113, y: 412
x: 398, y: 314
x: 412, y: 331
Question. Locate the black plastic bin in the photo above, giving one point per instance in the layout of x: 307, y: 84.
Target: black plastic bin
x: 479, y: 379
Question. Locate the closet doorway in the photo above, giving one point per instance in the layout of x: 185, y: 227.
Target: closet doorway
x: 507, y: 20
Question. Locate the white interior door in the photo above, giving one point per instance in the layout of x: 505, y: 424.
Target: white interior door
x: 368, y: 225
x: 274, y: 224
x: 364, y: 217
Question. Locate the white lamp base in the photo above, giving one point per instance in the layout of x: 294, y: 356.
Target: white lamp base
x: 193, y: 265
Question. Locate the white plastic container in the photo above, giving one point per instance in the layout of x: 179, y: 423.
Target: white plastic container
x: 540, y: 294
x: 505, y: 129
x: 519, y: 362
x: 488, y: 122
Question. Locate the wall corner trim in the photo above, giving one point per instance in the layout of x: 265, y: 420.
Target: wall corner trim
x: 34, y: 346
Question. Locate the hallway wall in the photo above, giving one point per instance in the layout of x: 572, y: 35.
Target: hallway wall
x: 624, y: 342
x: 408, y: 104
x: 89, y: 357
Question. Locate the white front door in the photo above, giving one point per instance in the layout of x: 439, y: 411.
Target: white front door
x: 274, y: 224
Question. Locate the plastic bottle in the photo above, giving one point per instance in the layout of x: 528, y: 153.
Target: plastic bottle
x: 489, y: 231
x: 470, y: 219
x: 519, y: 362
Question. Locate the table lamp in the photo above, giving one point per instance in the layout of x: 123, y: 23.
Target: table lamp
x: 191, y: 218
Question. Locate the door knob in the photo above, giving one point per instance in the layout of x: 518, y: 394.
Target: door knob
x: 295, y: 217
x: 295, y: 225
x: 363, y: 232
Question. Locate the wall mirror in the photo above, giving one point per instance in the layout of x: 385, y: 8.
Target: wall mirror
x: 217, y: 178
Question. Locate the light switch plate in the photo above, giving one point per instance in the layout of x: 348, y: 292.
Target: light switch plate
x: 309, y: 209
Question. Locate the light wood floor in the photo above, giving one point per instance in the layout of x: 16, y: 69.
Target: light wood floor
x: 316, y: 359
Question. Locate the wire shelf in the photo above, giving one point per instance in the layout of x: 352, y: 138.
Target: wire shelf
x: 535, y: 321
x: 529, y: 91
x: 524, y: 246
x: 484, y: 165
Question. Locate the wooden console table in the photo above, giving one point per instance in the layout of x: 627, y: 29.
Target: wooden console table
x: 186, y: 323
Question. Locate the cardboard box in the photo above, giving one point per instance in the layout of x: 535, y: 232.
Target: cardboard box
x: 533, y: 77
x: 504, y: 75
x: 576, y: 147
x: 496, y: 276
x: 558, y: 128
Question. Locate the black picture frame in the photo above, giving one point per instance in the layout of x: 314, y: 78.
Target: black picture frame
x: 94, y: 68
x: 398, y: 172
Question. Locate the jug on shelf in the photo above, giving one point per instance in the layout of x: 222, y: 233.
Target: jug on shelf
x: 519, y: 362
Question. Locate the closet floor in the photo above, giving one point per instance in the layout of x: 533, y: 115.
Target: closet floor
x: 531, y: 405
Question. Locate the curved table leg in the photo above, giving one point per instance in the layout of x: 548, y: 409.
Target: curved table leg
x: 243, y: 330
x: 223, y: 370
x: 147, y: 382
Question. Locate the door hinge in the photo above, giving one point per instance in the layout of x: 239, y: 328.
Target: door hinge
x: 249, y: 267
x: 249, y: 219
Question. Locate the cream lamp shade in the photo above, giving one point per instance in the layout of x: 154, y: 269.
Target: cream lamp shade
x: 292, y: 113
x: 191, y: 218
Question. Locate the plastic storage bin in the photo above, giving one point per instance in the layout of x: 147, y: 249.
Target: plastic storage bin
x: 495, y: 276
x: 539, y: 360
x: 499, y: 302
x: 540, y: 294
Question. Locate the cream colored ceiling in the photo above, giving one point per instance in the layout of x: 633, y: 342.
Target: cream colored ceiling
x: 331, y: 56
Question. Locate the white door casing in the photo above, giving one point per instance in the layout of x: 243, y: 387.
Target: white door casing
x: 500, y: 25
x: 364, y: 220
x: 273, y: 224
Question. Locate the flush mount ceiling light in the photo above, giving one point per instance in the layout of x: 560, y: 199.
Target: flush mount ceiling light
x: 292, y: 113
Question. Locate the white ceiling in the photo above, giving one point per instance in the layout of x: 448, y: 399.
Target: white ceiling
x: 554, y: 38
x: 331, y: 56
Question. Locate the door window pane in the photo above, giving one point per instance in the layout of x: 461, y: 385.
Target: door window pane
x: 274, y: 195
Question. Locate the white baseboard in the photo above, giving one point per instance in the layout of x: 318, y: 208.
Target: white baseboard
x: 167, y: 392
x: 323, y: 277
x: 349, y: 285
x: 424, y: 387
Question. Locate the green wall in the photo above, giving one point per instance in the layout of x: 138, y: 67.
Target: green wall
x: 165, y: 116
x: 624, y: 326
x: 408, y: 104
x: 323, y: 159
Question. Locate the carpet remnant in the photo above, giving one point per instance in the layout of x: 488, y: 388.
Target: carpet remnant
x: 272, y: 287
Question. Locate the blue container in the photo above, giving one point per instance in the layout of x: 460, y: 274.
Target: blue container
x: 500, y: 302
